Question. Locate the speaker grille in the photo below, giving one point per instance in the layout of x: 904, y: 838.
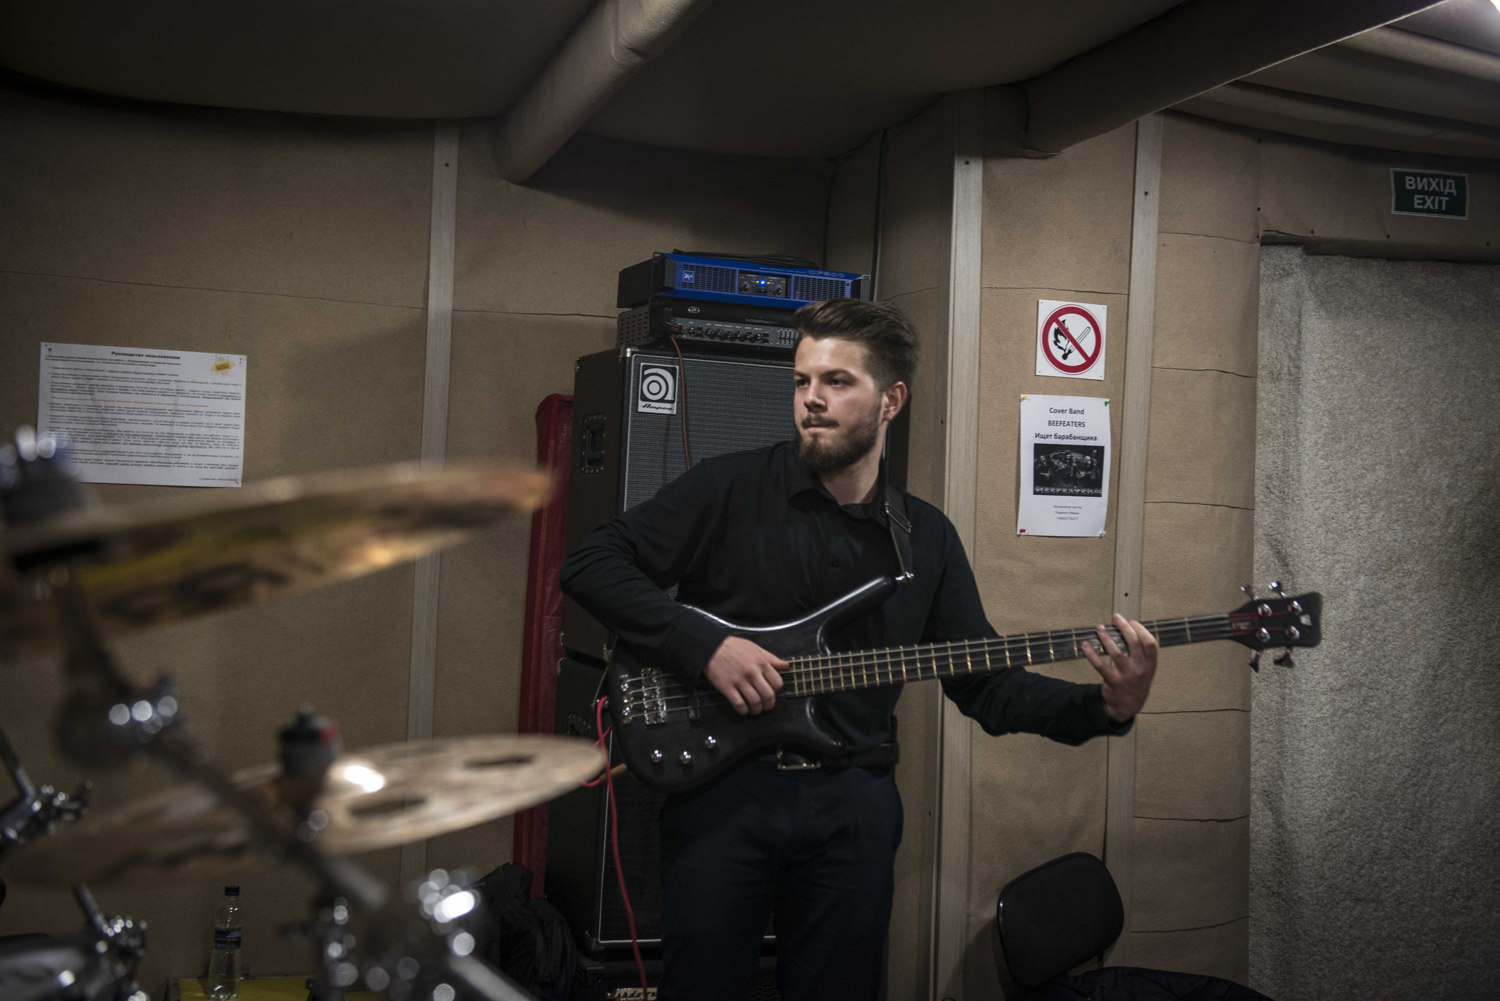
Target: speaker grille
x: 732, y: 405
x: 817, y: 289
x: 707, y: 278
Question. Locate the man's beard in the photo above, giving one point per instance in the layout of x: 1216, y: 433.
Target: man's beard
x: 843, y: 451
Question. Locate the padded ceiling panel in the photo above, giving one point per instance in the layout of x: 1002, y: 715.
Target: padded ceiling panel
x: 792, y: 77
x: 1348, y: 74
x: 1474, y: 23
x: 387, y: 58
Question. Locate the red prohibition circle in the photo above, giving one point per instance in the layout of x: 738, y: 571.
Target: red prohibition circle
x: 1088, y: 359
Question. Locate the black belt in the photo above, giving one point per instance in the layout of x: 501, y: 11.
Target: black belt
x: 880, y: 756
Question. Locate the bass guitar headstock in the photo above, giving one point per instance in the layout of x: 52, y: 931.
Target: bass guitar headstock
x: 1286, y: 621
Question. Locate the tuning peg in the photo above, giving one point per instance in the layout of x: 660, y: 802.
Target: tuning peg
x: 1255, y: 661
x: 1285, y: 660
x: 1276, y: 587
x: 1248, y: 590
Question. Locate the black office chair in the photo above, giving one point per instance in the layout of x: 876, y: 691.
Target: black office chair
x: 1067, y: 911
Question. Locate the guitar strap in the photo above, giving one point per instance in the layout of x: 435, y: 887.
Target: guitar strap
x: 900, y: 526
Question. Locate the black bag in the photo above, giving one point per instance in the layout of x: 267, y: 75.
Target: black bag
x: 527, y: 940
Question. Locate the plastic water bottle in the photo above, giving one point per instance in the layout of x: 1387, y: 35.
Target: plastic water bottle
x: 224, y: 962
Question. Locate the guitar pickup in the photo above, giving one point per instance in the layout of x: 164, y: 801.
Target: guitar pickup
x: 694, y: 707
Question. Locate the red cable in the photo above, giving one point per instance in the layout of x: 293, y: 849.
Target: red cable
x: 614, y: 839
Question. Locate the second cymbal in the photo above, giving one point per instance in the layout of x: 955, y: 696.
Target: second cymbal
x: 377, y: 798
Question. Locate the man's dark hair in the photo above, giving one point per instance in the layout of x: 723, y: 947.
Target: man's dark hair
x: 886, y: 333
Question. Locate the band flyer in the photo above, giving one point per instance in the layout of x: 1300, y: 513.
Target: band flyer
x: 1065, y: 452
x: 143, y: 415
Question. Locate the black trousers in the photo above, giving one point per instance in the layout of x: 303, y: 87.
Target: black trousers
x: 812, y: 852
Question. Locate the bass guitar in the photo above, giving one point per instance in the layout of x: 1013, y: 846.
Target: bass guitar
x: 675, y: 735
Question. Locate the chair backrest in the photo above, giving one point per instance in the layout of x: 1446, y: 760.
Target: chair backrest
x: 1056, y: 916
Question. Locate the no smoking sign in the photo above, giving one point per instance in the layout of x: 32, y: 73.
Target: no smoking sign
x: 1070, y: 339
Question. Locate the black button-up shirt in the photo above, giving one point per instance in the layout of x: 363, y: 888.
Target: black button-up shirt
x: 756, y: 538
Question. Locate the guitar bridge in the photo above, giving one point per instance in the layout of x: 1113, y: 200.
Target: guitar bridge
x: 645, y: 696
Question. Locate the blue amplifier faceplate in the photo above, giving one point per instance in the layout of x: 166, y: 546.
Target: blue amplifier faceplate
x: 721, y: 280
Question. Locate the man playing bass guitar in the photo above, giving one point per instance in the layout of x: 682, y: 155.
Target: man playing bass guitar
x: 771, y: 535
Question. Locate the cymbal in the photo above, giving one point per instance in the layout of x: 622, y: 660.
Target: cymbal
x: 152, y: 564
x: 373, y: 799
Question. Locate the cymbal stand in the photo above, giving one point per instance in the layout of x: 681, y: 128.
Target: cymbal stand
x: 37, y: 809
x: 108, y: 717
x: 122, y: 943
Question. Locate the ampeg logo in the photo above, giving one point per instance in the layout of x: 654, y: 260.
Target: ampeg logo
x: 658, y: 393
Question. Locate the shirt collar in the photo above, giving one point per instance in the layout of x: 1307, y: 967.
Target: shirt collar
x: 800, y: 479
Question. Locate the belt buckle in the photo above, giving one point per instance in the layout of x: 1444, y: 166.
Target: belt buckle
x: 795, y: 766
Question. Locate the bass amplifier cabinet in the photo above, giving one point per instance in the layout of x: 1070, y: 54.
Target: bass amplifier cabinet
x: 628, y: 436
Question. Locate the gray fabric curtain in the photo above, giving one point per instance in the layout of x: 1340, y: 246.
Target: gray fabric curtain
x: 1375, y: 862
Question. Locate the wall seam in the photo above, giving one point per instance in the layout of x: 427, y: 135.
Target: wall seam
x: 524, y: 312
x: 1047, y: 288
x: 1169, y: 931
x: 951, y: 931
x: 1231, y: 507
x: 1180, y: 712
x: 1130, y: 509
x: 1221, y: 371
x: 422, y: 689
x: 1209, y: 236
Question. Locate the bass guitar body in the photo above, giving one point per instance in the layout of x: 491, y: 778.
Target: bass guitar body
x: 675, y: 735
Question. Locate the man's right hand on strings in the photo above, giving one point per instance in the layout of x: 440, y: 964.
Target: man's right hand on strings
x: 745, y: 674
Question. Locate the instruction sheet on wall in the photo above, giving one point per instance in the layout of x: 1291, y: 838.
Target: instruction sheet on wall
x: 143, y: 415
x: 1064, y: 466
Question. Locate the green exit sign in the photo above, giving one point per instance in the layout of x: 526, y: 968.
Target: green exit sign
x: 1430, y: 193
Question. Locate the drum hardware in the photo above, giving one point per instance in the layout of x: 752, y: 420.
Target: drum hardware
x: 97, y: 964
x: 37, y: 809
x: 73, y: 576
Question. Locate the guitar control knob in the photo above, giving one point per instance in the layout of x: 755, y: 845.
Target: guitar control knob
x: 710, y: 742
x: 686, y: 757
x: 656, y: 755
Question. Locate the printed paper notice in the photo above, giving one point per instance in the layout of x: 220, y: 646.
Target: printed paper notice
x: 1064, y: 466
x: 142, y: 415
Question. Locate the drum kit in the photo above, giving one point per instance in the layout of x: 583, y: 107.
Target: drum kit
x: 75, y: 575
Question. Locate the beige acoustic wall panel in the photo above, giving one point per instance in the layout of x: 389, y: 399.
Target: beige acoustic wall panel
x: 233, y: 201
x: 852, y: 209
x: 1061, y: 222
x: 1202, y: 448
x: 1192, y: 767
x: 1193, y: 888
x: 301, y: 245
x: 1053, y: 229
x: 1206, y: 303
x: 1188, y: 765
x: 916, y: 206
x: 1210, y: 183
